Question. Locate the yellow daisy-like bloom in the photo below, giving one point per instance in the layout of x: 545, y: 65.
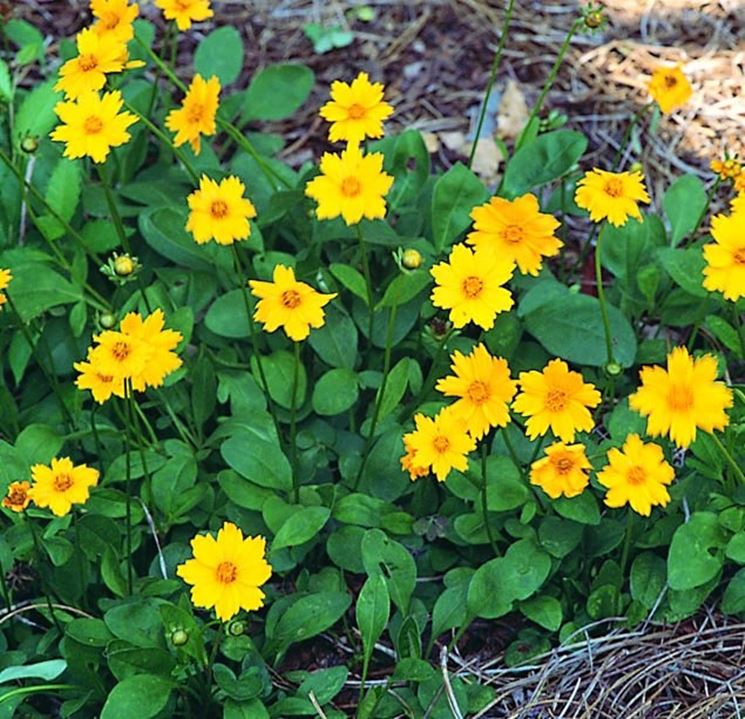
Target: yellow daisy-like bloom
x: 737, y: 204
x: 638, y: 476
x: 287, y: 303
x: 470, y: 283
x: 670, y: 88
x: 102, y: 386
x: 219, y: 211
x: 92, y: 125
x: 556, y: 398
x: 441, y: 444
x: 682, y: 398
x: 352, y: 185
x: 725, y: 257
x: 611, y: 195
x: 563, y: 471
x: 484, y: 388
x: 739, y: 183
x: 5, y: 278
x: 727, y: 169
x: 516, y: 229
x: 17, y: 498
x: 185, y: 12
x: 226, y: 573
x: 114, y: 19
x: 408, y: 460
x: 356, y: 111
x: 196, y: 116
x: 86, y: 73
x: 61, y: 485
x: 119, y: 356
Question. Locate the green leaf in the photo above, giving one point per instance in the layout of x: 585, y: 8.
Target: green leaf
x: 140, y: 696
x: 486, y: 596
x: 221, y: 54
x: 733, y: 601
x: 35, y: 116
x: 559, y: 537
x: 454, y: 195
x: 351, y: 279
x: 46, y: 671
x: 546, y: 158
x: 544, y: 611
x: 277, y: 91
x: 279, y: 368
x: 203, y: 390
x: 398, y: 380
x: 696, y: 552
x: 450, y: 609
x: 404, y: 287
x: 526, y: 568
x: 336, y: 342
x: 725, y: 333
x: 258, y: 460
x: 582, y: 509
x: 335, y: 392
x: 384, y: 556
x: 505, y: 489
x: 324, y: 683
x: 63, y: 195
x: 686, y: 267
x: 300, y: 527
x: 372, y: 612
x: 684, y: 202
x: 736, y: 548
x: 38, y: 443
x: 227, y: 316
x: 648, y: 578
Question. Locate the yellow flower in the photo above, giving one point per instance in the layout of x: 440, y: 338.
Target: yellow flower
x: 219, y: 212
x: 196, y: 116
x: 516, y: 229
x: 739, y: 183
x: 682, y: 398
x: 102, y: 386
x: 17, y: 498
x: 670, y: 88
x: 5, y: 278
x: 184, y: 12
x: 226, y: 573
x: 611, y: 195
x: 638, y: 476
x: 470, y: 283
x: 441, y: 443
x: 727, y: 169
x: 287, y: 303
x: 356, y: 111
x: 408, y: 460
x: 114, y: 19
x: 483, y: 384
x: 62, y: 485
x: 557, y: 398
x: 118, y: 355
x: 563, y: 471
x: 725, y: 257
x: 92, y: 125
x: 86, y: 73
x: 352, y: 185
x: 737, y: 203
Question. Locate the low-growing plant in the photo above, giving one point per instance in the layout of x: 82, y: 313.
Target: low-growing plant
x: 276, y: 439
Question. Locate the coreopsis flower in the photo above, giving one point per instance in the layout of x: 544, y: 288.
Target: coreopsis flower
x: 5, y: 278
x: 408, y: 461
x: 739, y: 183
x: 484, y: 389
x: 682, y: 398
x: 118, y: 355
x: 219, y: 211
x: 556, y: 398
x: 470, y: 283
x: 351, y: 185
x: 725, y: 257
x: 17, y: 497
x: 97, y: 55
x: 114, y: 19
x: 227, y: 573
x: 563, y: 471
x: 61, y: 485
x: 737, y: 203
x: 611, y: 195
x: 102, y: 386
x: 670, y: 88
x: 440, y: 444
x: 727, y: 169
x: 285, y: 302
x: 516, y: 229
x: 196, y: 116
x: 185, y: 12
x: 637, y: 475
x: 356, y: 111
x: 92, y: 125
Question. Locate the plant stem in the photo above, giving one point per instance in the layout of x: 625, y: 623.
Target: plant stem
x: 492, y: 77
x: 37, y: 552
x: 627, y: 135
x: 128, y: 484
x: 510, y: 448
x: 601, y: 299
x: 627, y: 540
x: 368, y: 283
x: 293, y: 426
x: 730, y: 459
x: 709, y: 197
x: 485, y: 498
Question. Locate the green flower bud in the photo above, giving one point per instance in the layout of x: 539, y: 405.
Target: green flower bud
x: 179, y: 637
x: 107, y: 320
x: 412, y: 259
x: 613, y: 369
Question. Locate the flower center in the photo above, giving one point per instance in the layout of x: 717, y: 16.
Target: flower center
x: 87, y: 62
x: 92, y: 125
x: 636, y: 476
x: 356, y: 111
x: 680, y: 398
x: 739, y: 256
x: 183, y: 5
x: 472, y: 286
x: 195, y: 112
x: 121, y: 351
x: 564, y: 465
x: 478, y: 392
x: 291, y: 299
x: 226, y: 572
x: 556, y: 400
x: 218, y: 209
x: 17, y: 496
x: 109, y: 20
x: 614, y: 187
x: 105, y: 378
x: 670, y: 81
x: 350, y: 187
x: 441, y: 444
x: 62, y: 482
x: 512, y: 234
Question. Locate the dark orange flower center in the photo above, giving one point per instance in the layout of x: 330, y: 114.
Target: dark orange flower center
x: 62, y: 482
x: 356, y: 111
x: 121, y: 351
x: 218, y: 209
x: 472, y: 286
x: 670, y: 81
x: 17, y: 496
x: 564, y: 465
x: 739, y: 256
x: 195, y: 112
x: 556, y: 400
x: 512, y: 234
x: 350, y: 187
x: 92, y: 125
x: 291, y: 299
x: 104, y: 378
x: 109, y: 20
x: 613, y: 187
x: 226, y: 572
x: 183, y: 5
x: 478, y: 392
x: 680, y: 398
x: 636, y: 476
x: 87, y: 62
x: 441, y: 444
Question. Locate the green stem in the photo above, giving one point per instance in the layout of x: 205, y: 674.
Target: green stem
x: 128, y: 484
x: 181, y: 428
x: 243, y: 142
x: 492, y: 77
x: 709, y: 197
x: 627, y: 134
x: 511, y: 448
x: 602, y: 300
x: 485, y: 498
x: 35, y: 689
x: 368, y: 283
x: 39, y: 559
x: 739, y: 329
x: 627, y: 540
x: 430, y: 380
x: 730, y: 459
x: 293, y: 426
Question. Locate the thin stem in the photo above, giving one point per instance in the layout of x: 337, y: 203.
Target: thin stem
x: 709, y: 197
x: 627, y: 134
x: 627, y: 540
x: 485, y: 499
x: 128, y: 484
x: 510, y: 447
x: 602, y: 300
x: 37, y: 552
x: 739, y: 329
x: 293, y: 426
x: 368, y: 283
x: 242, y: 141
x: 492, y: 77
x: 730, y: 459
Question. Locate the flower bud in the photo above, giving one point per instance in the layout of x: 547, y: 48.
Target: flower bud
x: 636, y: 167
x: 30, y: 144
x: 179, y: 637
x: 594, y: 19
x: 236, y: 628
x: 613, y: 369
x: 412, y: 259
x: 124, y: 265
x: 107, y: 320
